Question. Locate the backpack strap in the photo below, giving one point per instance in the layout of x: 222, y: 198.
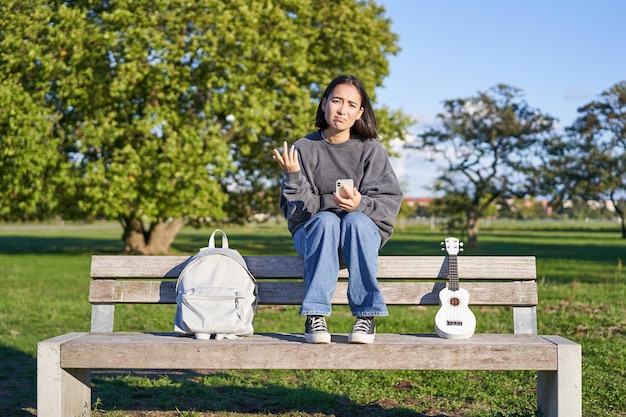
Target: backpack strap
x: 224, y: 239
x: 211, y: 246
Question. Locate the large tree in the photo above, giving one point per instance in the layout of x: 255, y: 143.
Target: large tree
x: 589, y: 162
x: 167, y: 108
x: 489, y: 142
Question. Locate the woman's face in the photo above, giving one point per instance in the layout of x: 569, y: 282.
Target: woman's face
x: 343, y: 108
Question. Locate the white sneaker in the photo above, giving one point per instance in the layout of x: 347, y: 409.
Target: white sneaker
x: 364, y: 330
x: 315, y: 330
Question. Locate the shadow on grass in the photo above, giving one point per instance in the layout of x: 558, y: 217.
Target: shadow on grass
x: 190, y: 393
x: 248, y: 241
x: 19, y: 245
x: 493, y: 247
x: 18, y: 383
x: 251, y: 244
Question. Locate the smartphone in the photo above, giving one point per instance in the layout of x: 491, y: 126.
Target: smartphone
x: 347, y: 184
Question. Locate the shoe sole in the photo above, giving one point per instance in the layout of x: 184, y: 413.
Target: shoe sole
x: 317, y: 337
x: 361, y: 338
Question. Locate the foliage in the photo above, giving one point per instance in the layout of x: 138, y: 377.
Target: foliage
x: 33, y: 170
x: 167, y: 108
x: 489, y: 142
x: 590, y: 162
x: 452, y: 208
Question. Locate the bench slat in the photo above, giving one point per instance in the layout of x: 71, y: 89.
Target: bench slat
x: 392, y: 267
x: 520, y: 293
x: 288, y: 351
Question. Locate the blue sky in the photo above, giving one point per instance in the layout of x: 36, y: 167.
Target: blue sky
x: 561, y: 54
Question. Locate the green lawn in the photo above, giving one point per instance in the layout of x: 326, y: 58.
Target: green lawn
x: 582, y: 292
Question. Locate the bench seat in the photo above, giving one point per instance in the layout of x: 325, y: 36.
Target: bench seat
x: 134, y: 350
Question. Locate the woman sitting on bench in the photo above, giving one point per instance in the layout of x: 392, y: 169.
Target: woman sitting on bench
x: 340, y: 195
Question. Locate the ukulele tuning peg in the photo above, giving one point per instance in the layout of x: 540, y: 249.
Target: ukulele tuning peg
x: 460, y: 246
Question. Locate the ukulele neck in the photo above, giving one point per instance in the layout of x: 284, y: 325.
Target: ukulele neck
x: 453, y: 273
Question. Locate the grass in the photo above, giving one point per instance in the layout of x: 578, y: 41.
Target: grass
x: 582, y: 292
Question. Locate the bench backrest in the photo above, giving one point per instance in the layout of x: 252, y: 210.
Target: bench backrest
x: 405, y: 280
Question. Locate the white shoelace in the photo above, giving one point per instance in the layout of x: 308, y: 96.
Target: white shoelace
x: 362, y: 324
x: 318, y: 324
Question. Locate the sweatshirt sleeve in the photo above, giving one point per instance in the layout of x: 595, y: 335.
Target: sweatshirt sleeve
x: 380, y: 189
x: 298, y: 200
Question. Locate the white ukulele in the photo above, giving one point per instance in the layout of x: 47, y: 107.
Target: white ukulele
x: 454, y: 320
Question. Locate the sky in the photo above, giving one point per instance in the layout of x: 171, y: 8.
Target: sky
x: 562, y: 54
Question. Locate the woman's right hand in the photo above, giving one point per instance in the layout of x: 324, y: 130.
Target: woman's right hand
x: 288, y: 159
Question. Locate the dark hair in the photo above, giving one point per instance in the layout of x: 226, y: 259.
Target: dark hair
x: 364, y: 128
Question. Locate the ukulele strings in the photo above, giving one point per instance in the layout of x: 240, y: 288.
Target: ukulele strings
x: 453, y: 300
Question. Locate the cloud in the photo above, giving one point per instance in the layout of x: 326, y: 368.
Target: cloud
x: 573, y: 95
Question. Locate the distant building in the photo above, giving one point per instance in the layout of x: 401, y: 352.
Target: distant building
x: 418, y: 201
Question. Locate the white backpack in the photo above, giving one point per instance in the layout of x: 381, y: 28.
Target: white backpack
x: 216, y: 294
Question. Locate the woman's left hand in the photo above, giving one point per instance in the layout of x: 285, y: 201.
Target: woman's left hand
x: 351, y: 200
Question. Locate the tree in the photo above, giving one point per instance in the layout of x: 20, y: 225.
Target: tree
x: 490, y: 142
x: 169, y: 110
x: 589, y: 163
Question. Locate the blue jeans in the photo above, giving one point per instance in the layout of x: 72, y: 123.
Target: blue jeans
x: 323, y: 242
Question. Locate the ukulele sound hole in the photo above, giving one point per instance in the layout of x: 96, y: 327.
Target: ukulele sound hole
x: 454, y: 301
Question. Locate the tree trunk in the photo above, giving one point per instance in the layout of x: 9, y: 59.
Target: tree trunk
x: 154, y: 240
x: 621, y: 216
x: 473, y: 224
x: 134, y: 236
x: 620, y: 212
x: 162, y: 235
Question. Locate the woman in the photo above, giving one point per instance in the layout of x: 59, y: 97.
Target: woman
x: 347, y: 225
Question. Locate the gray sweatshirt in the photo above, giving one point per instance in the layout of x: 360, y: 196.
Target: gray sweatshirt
x: 310, y: 190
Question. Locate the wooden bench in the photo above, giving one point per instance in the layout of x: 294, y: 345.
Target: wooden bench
x: 64, y: 362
